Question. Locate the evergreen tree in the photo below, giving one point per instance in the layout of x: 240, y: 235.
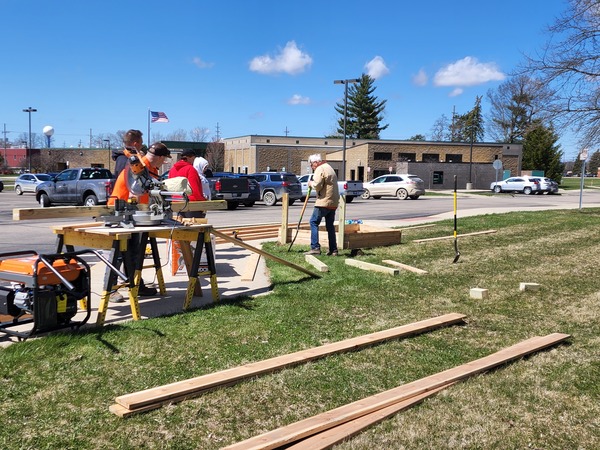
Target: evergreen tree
x: 469, y: 126
x: 593, y: 163
x: 541, y: 151
x: 364, y: 113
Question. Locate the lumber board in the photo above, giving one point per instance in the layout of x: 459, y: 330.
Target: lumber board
x: 251, y: 266
x: 332, y: 436
x: 372, y: 267
x: 391, y: 262
x: 61, y: 212
x: 316, y: 263
x: 291, y: 433
x: 440, y: 238
x: 265, y: 254
x: 155, y: 397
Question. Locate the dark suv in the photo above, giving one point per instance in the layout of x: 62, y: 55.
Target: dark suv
x: 274, y: 184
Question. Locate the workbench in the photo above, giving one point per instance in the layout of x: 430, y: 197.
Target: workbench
x: 120, y: 240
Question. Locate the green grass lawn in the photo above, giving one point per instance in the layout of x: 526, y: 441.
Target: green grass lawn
x: 56, y: 390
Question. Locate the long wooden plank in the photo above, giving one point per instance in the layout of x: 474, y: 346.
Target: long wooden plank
x: 441, y: 238
x: 372, y: 267
x: 312, y: 425
x: 329, y: 438
x: 172, y: 391
x: 60, y: 212
x: 391, y: 262
x: 265, y: 254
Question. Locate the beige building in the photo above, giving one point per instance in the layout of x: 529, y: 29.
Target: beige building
x: 435, y: 162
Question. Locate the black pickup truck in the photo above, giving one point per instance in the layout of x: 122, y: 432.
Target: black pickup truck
x: 234, y: 189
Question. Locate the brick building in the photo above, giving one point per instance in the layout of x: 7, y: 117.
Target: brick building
x: 435, y: 162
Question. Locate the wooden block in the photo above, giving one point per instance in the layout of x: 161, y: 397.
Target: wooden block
x: 316, y: 263
x: 478, y: 293
x: 373, y: 267
x: 529, y: 287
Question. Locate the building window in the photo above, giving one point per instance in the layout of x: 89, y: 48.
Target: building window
x: 382, y: 156
x: 407, y: 157
x: 325, y: 142
x: 431, y: 157
x: 268, y: 141
x: 454, y: 158
x: 297, y: 142
x: 438, y: 177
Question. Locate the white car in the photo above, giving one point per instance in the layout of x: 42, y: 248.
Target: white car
x: 401, y: 186
x: 525, y: 184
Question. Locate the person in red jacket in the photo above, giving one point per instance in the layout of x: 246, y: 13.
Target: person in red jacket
x: 185, y: 168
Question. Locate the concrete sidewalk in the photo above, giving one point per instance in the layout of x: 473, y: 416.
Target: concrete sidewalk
x: 232, y: 263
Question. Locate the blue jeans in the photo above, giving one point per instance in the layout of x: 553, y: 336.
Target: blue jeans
x: 315, y: 220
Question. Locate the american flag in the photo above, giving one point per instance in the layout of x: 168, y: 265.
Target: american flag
x: 157, y: 116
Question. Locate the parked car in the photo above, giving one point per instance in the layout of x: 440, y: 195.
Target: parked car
x: 222, y: 187
x: 350, y: 189
x: 547, y: 185
x: 274, y: 184
x: 525, y: 184
x: 402, y: 186
x: 27, y: 182
x: 86, y: 186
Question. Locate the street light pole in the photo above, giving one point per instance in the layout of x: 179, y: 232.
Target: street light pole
x: 345, y: 83
x: 109, y: 155
x: 29, y: 111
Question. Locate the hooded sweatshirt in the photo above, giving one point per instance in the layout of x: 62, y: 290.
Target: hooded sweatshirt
x: 200, y: 164
x: 185, y: 169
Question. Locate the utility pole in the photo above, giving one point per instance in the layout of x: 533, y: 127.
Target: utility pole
x: 217, y: 132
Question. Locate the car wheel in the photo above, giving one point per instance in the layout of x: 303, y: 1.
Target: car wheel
x: 291, y: 202
x: 90, y: 200
x: 44, y: 201
x: 527, y: 190
x: 18, y: 190
x: 366, y: 195
x: 349, y: 198
x: 302, y: 199
x: 249, y: 204
x: 497, y: 189
x: 402, y: 194
x: 232, y: 205
x: 269, y: 198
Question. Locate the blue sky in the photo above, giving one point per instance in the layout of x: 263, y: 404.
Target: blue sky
x: 255, y: 67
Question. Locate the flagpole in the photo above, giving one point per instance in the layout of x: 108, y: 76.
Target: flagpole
x: 149, y: 143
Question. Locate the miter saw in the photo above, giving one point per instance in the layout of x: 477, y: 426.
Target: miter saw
x: 129, y: 214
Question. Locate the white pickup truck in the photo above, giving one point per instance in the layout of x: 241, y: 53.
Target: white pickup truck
x: 350, y: 189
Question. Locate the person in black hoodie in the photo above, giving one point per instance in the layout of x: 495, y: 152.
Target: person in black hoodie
x: 132, y: 143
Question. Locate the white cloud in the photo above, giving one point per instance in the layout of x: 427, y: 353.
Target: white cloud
x: 421, y: 78
x: 297, y: 99
x: 290, y: 60
x: 467, y: 72
x: 376, y: 68
x: 201, y: 64
x: 456, y: 92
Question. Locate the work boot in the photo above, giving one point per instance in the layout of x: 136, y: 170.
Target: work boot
x: 332, y: 253
x: 116, y: 297
x: 146, y: 291
x: 313, y: 251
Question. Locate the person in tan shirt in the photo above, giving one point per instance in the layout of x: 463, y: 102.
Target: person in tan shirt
x: 325, y: 183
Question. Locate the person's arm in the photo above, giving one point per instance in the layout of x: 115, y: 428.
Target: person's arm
x: 196, y: 185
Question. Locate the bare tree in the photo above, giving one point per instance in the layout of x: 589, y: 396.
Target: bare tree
x: 568, y: 63
x: 440, y: 131
x: 514, y: 105
x: 200, y: 134
x: 177, y: 135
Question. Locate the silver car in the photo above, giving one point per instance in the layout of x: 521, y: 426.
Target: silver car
x: 401, y: 186
x: 524, y: 184
x: 27, y: 182
x: 547, y: 185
